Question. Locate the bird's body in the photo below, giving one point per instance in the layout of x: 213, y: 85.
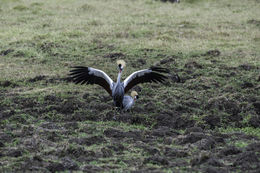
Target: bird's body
x: 89, y: 75
x: 118, y: 94
x: 128, y: 102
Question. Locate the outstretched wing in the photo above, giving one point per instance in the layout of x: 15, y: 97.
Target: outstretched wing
x: 87, y: 75
x: 153, y: 74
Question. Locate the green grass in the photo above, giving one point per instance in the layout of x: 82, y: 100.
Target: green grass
x: 247, y: 130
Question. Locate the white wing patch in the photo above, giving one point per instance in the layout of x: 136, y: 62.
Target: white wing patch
x: 100, y: 73
x: 134, y: 75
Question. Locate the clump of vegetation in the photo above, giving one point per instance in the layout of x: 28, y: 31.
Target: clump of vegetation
x: 20, y: 8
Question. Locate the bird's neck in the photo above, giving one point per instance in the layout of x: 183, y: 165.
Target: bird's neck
x: 118, y: 77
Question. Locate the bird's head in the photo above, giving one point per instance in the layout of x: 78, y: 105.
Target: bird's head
x: 121, y: 65
x: 134, y: 95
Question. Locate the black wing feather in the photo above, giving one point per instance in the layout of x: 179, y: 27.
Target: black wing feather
x: 81, y: 75
x: 153, y: 74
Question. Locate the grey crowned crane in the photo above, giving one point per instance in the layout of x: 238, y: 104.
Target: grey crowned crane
x: 129, y: 101
x: 88, y: 75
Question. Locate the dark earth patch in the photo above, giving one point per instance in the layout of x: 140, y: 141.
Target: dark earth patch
x: 228, y: 105
x: 173, y: 121
x: 247, y: 85
x: 212, y: 53
x: 246, y: 67
x: 247, y: 161
x: 230, y: 150
x: 176, y: 153
x: 254, y: 121
x: 254, y: 22
x: 55, y: 167
x: 138, y: 63
x: 158, y: 160
x: 212, y: 120
x: 136, y: 135
x: 193, y: 65
x: 6, y: 52
x: 203, y: 157
x: 89, y: 141
x: 172, y: 1
x: 37, y: 78
x: 114, y: 56
x: 8, y: 84
x: 175, y: 78
x: 257, y: 107
x: 167, y: 60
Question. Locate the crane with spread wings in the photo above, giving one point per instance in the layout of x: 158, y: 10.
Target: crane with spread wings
x: 88, y: 75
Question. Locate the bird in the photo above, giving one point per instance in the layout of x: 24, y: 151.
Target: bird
x: 89, y: 75
x: 129, y: 101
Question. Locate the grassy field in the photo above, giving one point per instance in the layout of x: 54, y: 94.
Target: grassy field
x: 208, y: 121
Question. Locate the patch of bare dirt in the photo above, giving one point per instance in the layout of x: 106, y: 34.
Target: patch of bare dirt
x: 114, y: 56
x: 158, y: 160
x: 6, y: 52
x: 175, y: 78
x: 172, y: 1
x: 174, y: 121
x: 167, y: 60
x: 137, y: 135
x: 247, y: 161
x: 89, y: 141
x: 229, y: 106
x: 254, y: 121
x: 193, y: 65
x: 8, y: 84
x: 212, y: 120
x: 246, y: 67
x: 138, y: 63
x: 254, y: 22
x: 212, y: 53
x: 37, y: 78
